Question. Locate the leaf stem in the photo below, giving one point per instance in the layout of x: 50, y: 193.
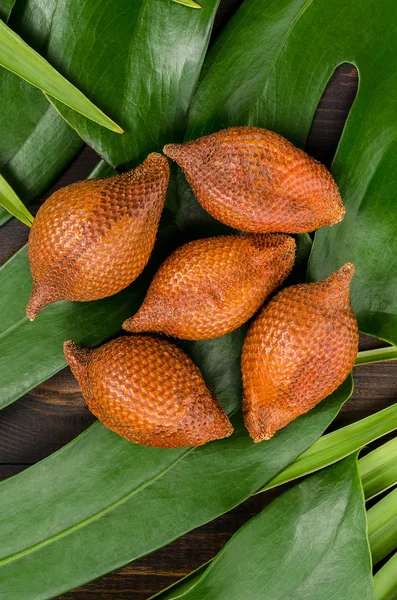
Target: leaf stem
x: 366, y: 357
x: 336, y: 445
x: 378, y: 469
x: 382, y: 527
x: 385, y: 580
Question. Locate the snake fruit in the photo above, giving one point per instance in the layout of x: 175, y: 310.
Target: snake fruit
x: 255, y: 180
x: 299, y: 349
x: 91, y: 239
x: 209, y: 287
x: 148, y: 391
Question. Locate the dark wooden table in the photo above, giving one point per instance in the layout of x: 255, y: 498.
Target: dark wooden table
x: 54, y: 413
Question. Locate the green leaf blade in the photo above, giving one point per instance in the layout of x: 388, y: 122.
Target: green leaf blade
x: 269, y: 67
x: 336, y: 445
x: 10, y: 201
x: 21, y: 59
x: 309, y: 543
x: 36, y: 144
x: 96, y: 504
x: 5, y: 9
x: 142, y: 37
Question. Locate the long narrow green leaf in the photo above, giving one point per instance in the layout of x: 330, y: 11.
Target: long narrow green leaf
x: 189, y: 3
x: 385, y: 580
x: 10, y: 201
x: 382, y: 527
x: 378, y: 469
x: 338, y: 444
x: 36, y: 144
x: 21, y: 59
x: 366, y: 357
x: 309, y: 543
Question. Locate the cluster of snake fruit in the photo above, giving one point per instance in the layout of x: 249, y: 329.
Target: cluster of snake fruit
x: 91, y: 239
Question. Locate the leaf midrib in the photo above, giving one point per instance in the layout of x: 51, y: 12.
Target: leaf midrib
x: 69, y: 530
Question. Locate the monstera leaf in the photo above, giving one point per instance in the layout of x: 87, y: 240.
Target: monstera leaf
x: 145, y: 82
x: 269, y: 68
x: 98, y: 502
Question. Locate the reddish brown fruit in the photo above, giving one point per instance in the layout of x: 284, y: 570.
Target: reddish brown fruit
x: 91, y: 239
x: 298, y: 351
x: 148, y: 391
x: 255, y: 180
x: 209, y: 287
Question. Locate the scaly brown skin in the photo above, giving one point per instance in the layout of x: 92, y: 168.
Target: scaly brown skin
x: 300, y: 348
x: 255, y: 180
x: 91, y: 239
x: 148, y: 391
x: 209, y: 287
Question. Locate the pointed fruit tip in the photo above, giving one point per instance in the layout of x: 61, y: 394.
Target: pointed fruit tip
x: 158, y: 162
x: 77, y: 356
x: 344, y: 273
x: 39, y: 298
x: 337, y: 287
x: 136, y: 324
x: 156, y: 157
x: 172, y: 150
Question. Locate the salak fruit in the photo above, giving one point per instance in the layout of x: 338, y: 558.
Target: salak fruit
x: 209, y: 287
x: 93, y: 238
x: 148, y: 391
x: 299, y: 349
x: 255, y: 180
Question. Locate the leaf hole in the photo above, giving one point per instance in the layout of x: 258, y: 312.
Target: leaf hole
x: 331, y: 113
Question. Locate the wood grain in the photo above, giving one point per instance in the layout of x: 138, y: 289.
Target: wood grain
x: 54, y: 413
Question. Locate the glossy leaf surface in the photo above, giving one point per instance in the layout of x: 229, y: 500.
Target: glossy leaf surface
x: 101, y: 501
x: 310, y: 542
x: 269, y: 67
x: 35, y: 143
x: 17, y: 56
x: 147, y: 59
x: 5, y: 9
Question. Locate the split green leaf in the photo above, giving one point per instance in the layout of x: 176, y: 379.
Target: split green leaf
x: 373, y: 356
x: 96, y: 504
